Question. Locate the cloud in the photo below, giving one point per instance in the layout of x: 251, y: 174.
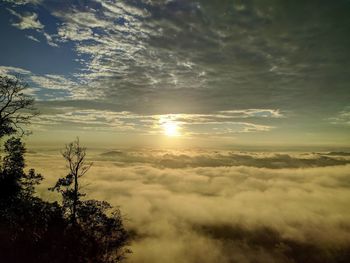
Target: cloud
x: 30, y: 21
x: 82, y: 19
x: 33, y: 38
x: 5, y: 70
x: 204, y: 58
x: 71, y: 31
x: 50, y: 81
x: 187, y: 159
x: 49, y: 40
x: 23, y: 2
x: 214, y: 124
x: 27, y: 21
x: 164, y: 52
x: 200, y: 54
x: 222, y: 214
x: 46, y: 86
x: 342, y: 118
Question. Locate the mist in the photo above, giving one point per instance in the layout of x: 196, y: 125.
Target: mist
x: 222, y: 206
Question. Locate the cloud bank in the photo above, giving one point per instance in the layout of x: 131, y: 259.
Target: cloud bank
x: 226, y: 213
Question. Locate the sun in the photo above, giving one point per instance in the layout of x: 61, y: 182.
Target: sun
x: 171, y: 129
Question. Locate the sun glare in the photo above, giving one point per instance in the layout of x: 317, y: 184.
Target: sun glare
x: 171, y: 129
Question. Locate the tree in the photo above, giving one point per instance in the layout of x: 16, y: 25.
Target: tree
x: 12, y: 168
x: 29, y: 226
x: 68, y: 186
x: 16, y: 108
x: 29, y: 181
x: 14, y: 160
x: 14, y: 182
x: 34, y: 230
x: 95, y: 234
x: 26, y: 221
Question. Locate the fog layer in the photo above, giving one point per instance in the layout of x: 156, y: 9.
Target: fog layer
x: 222, y: 206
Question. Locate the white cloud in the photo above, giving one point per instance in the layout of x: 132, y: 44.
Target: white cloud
x: 49, y: 39
x: 220, y: 214
x: 31, y: 21
x: 71, y: 31
x: 53, y: 82
x: 6, y: 70
x: 27, y: 21
x: 43, y: 85
x: 82, y: 19
x: 33, y: 38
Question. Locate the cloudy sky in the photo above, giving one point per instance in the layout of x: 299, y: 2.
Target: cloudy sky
x: 163, y: 72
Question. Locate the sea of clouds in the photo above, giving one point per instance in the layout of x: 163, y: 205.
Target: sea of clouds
x: 221, y: 206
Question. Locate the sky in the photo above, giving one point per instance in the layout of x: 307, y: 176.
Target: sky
x: 183, y: 73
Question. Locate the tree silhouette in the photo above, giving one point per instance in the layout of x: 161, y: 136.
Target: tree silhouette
x: 26, y: 221
x: 12, y: 168
x: 34, y: 230
x: 16, y: 108
x: 68, y: 186
x: 95, y: 232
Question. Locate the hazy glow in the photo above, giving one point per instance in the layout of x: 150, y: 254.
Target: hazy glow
x: 171, y: 129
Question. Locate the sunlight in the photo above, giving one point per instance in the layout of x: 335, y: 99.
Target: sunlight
x: 171, y: 129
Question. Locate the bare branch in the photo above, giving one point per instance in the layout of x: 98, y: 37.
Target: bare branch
x: 75, y: 155
x: 16, y: 108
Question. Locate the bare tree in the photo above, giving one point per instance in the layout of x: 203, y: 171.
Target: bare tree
x: 95, y: 229
x: 75, y: 155
x: 16, y: 108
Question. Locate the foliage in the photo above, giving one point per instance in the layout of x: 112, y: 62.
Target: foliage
x: 34, y: 230
x: 45, y: 232
x: 101, y: 232
x: 16, y: 108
